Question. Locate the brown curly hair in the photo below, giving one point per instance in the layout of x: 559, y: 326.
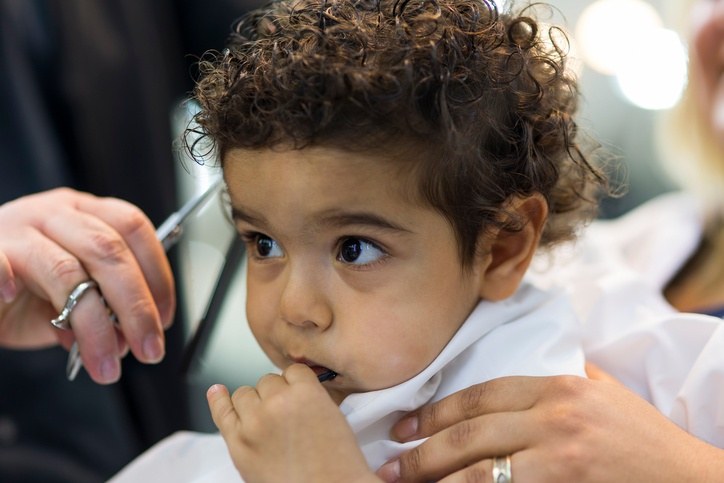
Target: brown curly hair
x: 482, y: 98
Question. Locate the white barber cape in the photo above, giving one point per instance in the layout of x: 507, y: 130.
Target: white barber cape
x: 531, y: 333
x: 615, y: 275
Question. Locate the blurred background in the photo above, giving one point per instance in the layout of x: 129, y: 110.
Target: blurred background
x: 631, y: 61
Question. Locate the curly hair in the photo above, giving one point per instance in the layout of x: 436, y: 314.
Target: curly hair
x: 482, y: 98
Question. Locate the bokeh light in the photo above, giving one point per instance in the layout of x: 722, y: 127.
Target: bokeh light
x: 655, y: 75
x: 626, y: 39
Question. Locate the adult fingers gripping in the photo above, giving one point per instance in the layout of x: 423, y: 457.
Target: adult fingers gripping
x: 140, y: 236
x: 487, y: 420
x: 108, y: 259
x: 8, y: 289
x: 512, y: 393
x: 52, y: 273
x: 462, y: 445
x: 483, y: 472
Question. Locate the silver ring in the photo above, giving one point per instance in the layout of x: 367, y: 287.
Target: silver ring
x: 62, y: 321
x: 501, y: 470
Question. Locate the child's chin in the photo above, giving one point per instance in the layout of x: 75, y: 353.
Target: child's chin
x: 337, y: 394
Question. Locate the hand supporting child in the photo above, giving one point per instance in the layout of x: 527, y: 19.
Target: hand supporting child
x: 573, y: 429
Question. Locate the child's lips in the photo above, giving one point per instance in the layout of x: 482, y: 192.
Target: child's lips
x: 319, y: 370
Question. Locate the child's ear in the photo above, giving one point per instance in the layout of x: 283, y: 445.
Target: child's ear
x: 509, y: 253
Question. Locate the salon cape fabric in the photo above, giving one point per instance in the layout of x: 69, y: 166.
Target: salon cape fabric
x: 616, y: 274
x: 531, y: 333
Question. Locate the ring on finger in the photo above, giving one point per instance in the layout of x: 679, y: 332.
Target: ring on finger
x: 502, y: 472
x: 62, y: 321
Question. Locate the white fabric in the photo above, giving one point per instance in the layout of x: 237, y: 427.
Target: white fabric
x: 532, y: 333
x: 616, y: 275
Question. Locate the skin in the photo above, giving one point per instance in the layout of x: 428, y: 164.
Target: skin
x: 561, y: 428
x: 700, y: 284
x: 54, y: 240
x: 707, y: 58
x: 377, y: 318
x: 550, y: 441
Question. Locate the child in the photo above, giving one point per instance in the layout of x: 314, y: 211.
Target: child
x: 392, y: 167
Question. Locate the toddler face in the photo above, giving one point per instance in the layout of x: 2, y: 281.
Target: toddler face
x: 708, y: 55
x: 345, y: 270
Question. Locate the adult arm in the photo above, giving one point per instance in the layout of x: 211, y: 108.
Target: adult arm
x: 52, y: 241
x: 558, y: 428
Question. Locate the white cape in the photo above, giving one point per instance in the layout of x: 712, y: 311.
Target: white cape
x: 615, y: 275
x: 531, y: 333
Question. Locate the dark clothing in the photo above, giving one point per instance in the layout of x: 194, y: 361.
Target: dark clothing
x: 87, y: 89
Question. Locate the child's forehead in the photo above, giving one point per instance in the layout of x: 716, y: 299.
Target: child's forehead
x: 392, y: 159
x: 324, y: 176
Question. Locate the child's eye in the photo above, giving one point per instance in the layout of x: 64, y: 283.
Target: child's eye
x: 359, y: 251
x: 263, y: 246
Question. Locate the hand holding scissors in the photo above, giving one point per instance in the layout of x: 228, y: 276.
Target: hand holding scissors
x: 168, y: 233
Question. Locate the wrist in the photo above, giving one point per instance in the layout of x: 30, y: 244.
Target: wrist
x: 705, y: 464
x: 710, y: 465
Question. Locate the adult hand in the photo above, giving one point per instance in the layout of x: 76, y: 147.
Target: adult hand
x: 287, y: 429
x: 559, y: 428
x: 52, y: 241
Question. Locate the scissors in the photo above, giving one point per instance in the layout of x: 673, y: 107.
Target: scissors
x: 168, y: 234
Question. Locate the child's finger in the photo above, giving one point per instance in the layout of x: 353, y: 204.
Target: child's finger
x: 270, y: 384
x: 222, y: 409
x: 299, y: 373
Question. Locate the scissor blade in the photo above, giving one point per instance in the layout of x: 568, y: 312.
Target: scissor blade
x: 168, y: 233
x: 170, y: 230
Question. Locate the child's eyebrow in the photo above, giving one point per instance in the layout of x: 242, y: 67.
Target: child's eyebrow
x: 240, y: 215
x: 334, y: 220
x: 339, y: 220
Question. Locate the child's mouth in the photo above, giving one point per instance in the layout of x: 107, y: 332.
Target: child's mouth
x: 328, y: 375
x: 323, y: 373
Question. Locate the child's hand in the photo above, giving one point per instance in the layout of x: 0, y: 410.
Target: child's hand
x: 287, y: 429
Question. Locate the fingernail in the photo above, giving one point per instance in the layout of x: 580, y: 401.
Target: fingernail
x: 215, y: 388
x: 110, y: 370
x: 8, y: 291
x: 165, y: 311
x: 390, y: 472
x: 406, y: 428
x: 153, y: 348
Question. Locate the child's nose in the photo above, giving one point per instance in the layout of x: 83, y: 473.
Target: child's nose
x: 303, y: 300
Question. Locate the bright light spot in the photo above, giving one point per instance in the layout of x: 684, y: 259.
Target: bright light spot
x: 607, y: 29
x: 501, y: 4
x: 625, y: 39
x: 654, y: 75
